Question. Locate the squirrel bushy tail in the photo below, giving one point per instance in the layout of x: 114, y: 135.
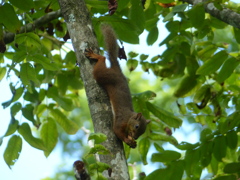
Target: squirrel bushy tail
x: 110, y: 44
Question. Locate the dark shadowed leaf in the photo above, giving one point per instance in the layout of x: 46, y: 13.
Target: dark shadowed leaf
x: 24, y: 4
x: 219, y: 147
x: 232, y: 139
x: 232, y: 168
x: 9, y: 18
x: 186, y: 85
x: 197, y: 16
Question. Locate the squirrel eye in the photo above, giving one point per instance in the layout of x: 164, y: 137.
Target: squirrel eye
x: 136, y: 126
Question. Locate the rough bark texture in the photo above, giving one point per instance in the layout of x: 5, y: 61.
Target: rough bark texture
x: 81, y: 32
x: 226, y: 15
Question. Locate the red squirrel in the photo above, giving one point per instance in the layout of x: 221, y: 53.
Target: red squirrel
x: 127, y: 125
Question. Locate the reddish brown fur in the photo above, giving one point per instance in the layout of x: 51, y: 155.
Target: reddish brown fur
x: 128, y: 125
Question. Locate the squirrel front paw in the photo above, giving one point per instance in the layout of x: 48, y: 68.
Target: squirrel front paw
x: 88, y: 52
x: 131, y: 142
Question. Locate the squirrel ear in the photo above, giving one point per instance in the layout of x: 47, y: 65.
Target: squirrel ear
x: 139, y: 115
x: 148, y: 121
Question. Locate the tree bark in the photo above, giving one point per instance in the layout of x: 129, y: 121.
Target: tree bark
x: 82, y: 34
x: 226, y: 15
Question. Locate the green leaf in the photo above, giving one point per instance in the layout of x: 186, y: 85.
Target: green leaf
x: 228, y: 177
x: 17, y: 93
x: 125, y: 29
x: 186, y: 86
x: 30, y: 40
x: 206, y: 135
x: 32, y: 97
x: 12, y: 127
x: 137, y: 15
x: 152, y: 36
x: 3, y: 71
x: 143, y: 147
x: 169, y: 16
x: 99, y: 166
x: 163, y: 137
x: 139, y: 102
x: 97, y: 137
x: 158, y: 173
x: 206, y: 153
x: 179, y: 8
x: 219, y: 148
x: 28, y: 74
x: 98, y: 148
x: 232, y: 139
x: 27, y: 112
x: 23, y: 4
x: 214, y: 165
x: 232, y: 168
x: 69, y: 126
x: 197, y: 16
x: 165, y: 156
x: 26, y: 133
x: 49, y: 135
x: 62, y: 81
x: 207, y: 52
x: 13, y: 150
x: 143, y: 57
x: 216, y: 23
x: 192, y: 158
x: 213, y: 64
x: 227, y: 69
x: 185, y: 146
x: 237, y: 34
x: 9, y: 18
x: 45, y: 62
x: 164, y: 115
x: 132, y: 64
x: 158, y: 147
x: 202, y: 93
x: 192, y: 65
x: 65, y: 103
x: 166, y: 174
x: 16, y: 107
x: 19, y: 56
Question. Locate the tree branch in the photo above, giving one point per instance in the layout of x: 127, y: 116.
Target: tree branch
x: 9, y: 37
x: 226, y: 15
x: 80, y: 28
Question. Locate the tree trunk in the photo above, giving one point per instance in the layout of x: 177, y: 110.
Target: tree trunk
x: 81, y: 32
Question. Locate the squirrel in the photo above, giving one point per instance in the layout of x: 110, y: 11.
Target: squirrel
x: 127, y: 125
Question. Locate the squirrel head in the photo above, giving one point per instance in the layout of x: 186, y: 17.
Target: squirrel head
x: 137, y: 125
